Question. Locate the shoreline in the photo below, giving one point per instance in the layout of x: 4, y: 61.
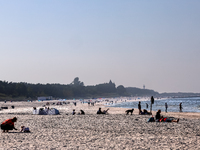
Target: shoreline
x: 88, y: 109
x: 176, y: 112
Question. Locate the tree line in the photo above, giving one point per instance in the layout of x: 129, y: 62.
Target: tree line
x: 76, y: 89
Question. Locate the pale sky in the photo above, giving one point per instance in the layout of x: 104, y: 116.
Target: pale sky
x: 131, y: 42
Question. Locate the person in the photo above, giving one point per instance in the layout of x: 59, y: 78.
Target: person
x: 166, y: 106
x: 147, y: 106
x: 102, y: 112
x: 180, y: 107
x: 46, y: 109
x: 34, y: 110
x: 139, y: 108
x: 151, y: 119
x: 145, y: 112
x: 73, y: 113
x: 99, y: 111
x: 24, y: 129
x: 160, y: 118
x: 8, y: 124
x: 81, y: 112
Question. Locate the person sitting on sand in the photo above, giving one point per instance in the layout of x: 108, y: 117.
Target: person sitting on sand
x: 102, y: 112
x: 160, y: 118
x: 73, y: 113
x: 46, y: 109
x: 24, y: 129
x: 82, y: 112
x: 34, y: 110
x: 8, y: 124
x: 145, y: 112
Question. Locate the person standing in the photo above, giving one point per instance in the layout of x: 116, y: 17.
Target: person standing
x: 139, y: 108
x: 180, y: 107
x: 147, y: 106
x: 166, y: 106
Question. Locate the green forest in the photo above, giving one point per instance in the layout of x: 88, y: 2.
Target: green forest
x: 76, y: 89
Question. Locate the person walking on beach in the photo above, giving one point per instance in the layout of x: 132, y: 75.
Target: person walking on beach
x: 139, y: 108
x: 166, y: 106
x: 180, y: 107
x: 147, y: 106
x: 8, y: 124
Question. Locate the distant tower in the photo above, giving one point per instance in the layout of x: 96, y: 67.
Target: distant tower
x: 143, y: 86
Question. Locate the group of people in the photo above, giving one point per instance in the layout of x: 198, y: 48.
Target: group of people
x: 160, y: 118
x: 144, y: 112
x: 9, y: 124
x: 83, y: 113
x: 92, y: 103
x: 79, y: 113
x: 166, y: 107
x: 180, y: 107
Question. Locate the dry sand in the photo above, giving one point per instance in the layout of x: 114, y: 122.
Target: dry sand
x: 91, y: 131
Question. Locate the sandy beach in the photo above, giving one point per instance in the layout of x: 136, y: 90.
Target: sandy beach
x: 91, y: 131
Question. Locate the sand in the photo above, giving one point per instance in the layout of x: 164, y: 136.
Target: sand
x: 91, y: 131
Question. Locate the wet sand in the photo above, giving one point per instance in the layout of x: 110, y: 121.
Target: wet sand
x: 91, y: 131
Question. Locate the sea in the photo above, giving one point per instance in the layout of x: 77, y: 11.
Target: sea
x: 191, y: 104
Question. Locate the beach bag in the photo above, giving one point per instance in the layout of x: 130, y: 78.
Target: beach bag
x: 151, y: 119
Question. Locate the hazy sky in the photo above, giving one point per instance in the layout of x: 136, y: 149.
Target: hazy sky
x: 132, y: 42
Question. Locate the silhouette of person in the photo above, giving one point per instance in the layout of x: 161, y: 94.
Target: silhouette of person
x: 180, y: 107
x: 8, y: 124
x: 166, y: 106
x: 139, y: 108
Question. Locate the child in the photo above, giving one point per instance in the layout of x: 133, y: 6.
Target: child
x: 73, y: 113
x: 25, y: 129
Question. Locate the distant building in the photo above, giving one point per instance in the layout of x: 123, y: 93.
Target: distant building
x: 45, y: 98
x: 143, y: 86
